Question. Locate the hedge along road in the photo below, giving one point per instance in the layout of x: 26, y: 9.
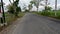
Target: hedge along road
x: 34, y: 24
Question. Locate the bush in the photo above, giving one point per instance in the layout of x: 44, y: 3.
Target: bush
x: 45, y: 13
x: 58, y: 15
x: 26, y: 10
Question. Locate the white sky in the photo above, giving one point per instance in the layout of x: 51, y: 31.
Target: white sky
x: 52, y: 3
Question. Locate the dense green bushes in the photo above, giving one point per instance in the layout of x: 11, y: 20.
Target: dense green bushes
x: 45, y: 13
x: 49, y: 13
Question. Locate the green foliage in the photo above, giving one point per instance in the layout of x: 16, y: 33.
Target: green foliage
x: 15, y: 3
x: 32, y: 2
x: 18, y: 9
x: 48, y: 8
x: 26, y: 10
x: 37, y: 3
x: 9, y: 16
x: 46, y: 13
x: 50, y: 14
x: 13, y: 8
x: 58, y: 14
x: 30, y: 7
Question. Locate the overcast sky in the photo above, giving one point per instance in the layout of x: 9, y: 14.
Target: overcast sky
x: 52, y: 3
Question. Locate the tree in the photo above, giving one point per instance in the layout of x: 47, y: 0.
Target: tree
x: 14, y: 7
x: 10, y: 1
x: 3, y: 11
x: 10, y: 9
x: 46, y: 1
x: 49, y: 8
x: 46, y: 5
x: 18, y: 9
x: 55, y: 6
x: 47, y: 11
x: 24, y: 6
x: 36, y: 3
x: 30, y: 5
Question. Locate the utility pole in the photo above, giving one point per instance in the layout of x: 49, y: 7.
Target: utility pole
x: 3, y: 11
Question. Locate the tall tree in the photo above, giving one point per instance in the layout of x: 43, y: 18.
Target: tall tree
x: 46, y: 3
x: 10, y: 9
x: 55, y: 6
x: 36, y: 3
x: 14, y: 7
x: 30, y: 5
x: 24, y: 6
x: 3, y: 11
x: 11, y: 1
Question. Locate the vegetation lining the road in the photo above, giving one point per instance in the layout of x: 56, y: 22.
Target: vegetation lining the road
x: 13, y: 12
x: 11, y: 18
x: 50, y: 14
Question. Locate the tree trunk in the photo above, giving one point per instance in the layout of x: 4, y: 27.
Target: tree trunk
x: 10, y: 1
x: 46, y: 1
x: 37, y: 9
x: 13, y: 0
x: 3, y: 11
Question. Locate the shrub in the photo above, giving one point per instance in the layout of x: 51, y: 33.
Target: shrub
x: 45, y: 13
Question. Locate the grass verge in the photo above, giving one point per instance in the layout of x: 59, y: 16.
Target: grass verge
x: 49, y: 14
x: 10, y: 19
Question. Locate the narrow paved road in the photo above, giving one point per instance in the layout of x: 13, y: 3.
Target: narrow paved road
x: 34, y: 24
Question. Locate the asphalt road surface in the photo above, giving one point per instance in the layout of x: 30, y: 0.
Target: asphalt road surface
x: 34, y: 24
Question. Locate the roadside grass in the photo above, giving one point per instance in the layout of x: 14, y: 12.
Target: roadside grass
x: 21, y: 14
x: 10, y: 18
x: 49, y: 14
